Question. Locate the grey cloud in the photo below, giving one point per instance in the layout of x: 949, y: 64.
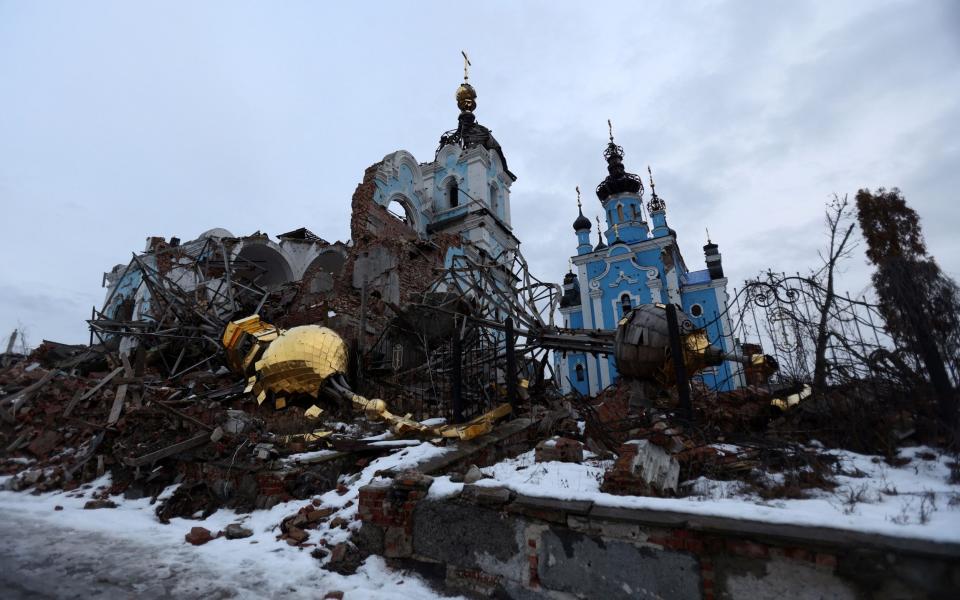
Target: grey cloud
x: 130, y: 120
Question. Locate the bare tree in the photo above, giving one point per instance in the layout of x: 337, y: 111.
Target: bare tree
x: 839, y: 219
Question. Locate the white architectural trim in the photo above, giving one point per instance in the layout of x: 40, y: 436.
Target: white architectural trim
x: 604, y: 371
x: 652, y: 272
x: 634, y: 247
x: 656, y: 291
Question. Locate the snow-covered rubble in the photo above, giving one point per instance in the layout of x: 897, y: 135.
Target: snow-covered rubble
x: 915, y: 500
x: 260, y: 566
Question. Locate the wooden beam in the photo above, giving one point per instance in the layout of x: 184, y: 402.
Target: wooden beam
x: 187, y: 444
x: 20, y: 398
x: 117, y: 407
x: 182, y: 415
x: 93, y: 390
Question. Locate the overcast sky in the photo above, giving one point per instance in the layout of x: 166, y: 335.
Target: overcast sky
x: 122, y: 120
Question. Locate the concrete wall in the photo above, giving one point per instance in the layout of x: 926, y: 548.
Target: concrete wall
x: 488, y: 542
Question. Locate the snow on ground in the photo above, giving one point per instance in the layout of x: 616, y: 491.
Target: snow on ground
x: 915, y: 500
x: 256, y: 567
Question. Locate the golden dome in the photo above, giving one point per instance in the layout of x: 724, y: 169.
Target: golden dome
x: 300, y: 360
x: 466, y: 97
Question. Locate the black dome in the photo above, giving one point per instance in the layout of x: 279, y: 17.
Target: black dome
x: 581, y: 223
x: 617, y: 180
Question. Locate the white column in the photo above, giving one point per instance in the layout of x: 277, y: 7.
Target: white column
x: 585, y: 296
x: 656, y: 291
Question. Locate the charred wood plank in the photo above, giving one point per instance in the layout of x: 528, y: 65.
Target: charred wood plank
x: 92, y: 390
x: 20, y: 398
x: 187, y: 444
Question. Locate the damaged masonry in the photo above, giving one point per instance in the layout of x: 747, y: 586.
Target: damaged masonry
x: 419, y: 394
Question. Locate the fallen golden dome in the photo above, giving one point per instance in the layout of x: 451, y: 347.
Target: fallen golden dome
x: 301, y: 359
x: 288, y: 362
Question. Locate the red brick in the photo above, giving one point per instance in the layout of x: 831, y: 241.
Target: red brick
x: 826, y: 560
x: 798, y: 554
x: 747, y: 548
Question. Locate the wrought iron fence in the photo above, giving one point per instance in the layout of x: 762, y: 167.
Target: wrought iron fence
x: 813, y: 333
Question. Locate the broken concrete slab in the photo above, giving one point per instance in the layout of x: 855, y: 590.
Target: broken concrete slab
x: 486, y: 496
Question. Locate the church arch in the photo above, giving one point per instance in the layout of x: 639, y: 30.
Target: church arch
x: 403, y: 209
x: 263, y: 264
x: 453, y: 193
x: 626, y: 304
x: 328, y: 261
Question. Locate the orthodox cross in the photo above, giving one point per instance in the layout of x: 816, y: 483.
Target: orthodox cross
x: 610, y: 129
x: 578, y: 197
x: 466, y: 63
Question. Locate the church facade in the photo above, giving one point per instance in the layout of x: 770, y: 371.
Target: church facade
x: 636, y: 260
x: 464, y: 191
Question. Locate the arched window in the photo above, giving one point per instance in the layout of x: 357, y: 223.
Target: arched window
x: 626, y: 305
x: 493, y: 200
x: 398, y: 210
x: 619, y: 213
x: 453, y: 194
x: 633, y: 208
x: 579, y: 370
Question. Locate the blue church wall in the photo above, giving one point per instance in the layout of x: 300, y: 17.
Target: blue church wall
x: 721, y: 377
x: 404, y: 185
x: 125, y: 288
x: 625, y: 212
x: 452, y: 253
x: 451, y: 169
x: 642, y: 264
x: 646, y: 273
x: 578, y: 378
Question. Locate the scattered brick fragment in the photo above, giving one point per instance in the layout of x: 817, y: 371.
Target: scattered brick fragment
x: 198, y: 536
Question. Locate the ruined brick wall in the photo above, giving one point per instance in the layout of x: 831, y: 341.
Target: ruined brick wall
x: 373, y: 230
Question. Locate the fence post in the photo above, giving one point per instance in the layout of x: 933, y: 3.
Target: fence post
x: 456, y: 375
x: 679, y: 367
x: 511, y: 370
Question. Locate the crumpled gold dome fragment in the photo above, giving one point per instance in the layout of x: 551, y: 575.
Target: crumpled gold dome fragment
x: 300, y: 359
